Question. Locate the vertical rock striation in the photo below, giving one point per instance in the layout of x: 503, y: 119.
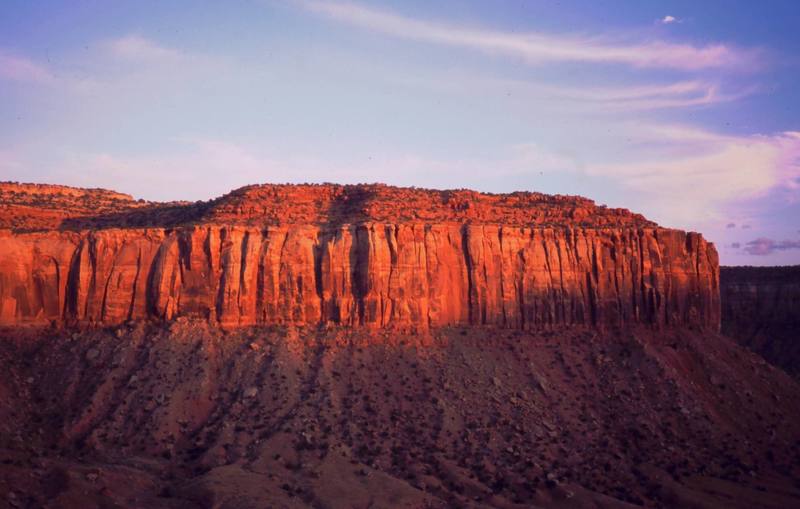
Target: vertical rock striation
x: 376, y: 274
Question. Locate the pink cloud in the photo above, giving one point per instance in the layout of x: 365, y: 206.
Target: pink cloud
x: 680, y: 94
x: 763, y: 246
x: 703, y: 171
x: 136, y: 47
x: 537, y: 47
x: 16, y: 68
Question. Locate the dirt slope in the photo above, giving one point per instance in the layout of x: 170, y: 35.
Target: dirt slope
x: 191, y: 416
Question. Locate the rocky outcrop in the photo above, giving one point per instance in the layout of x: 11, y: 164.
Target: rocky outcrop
x: 369, y: 274
x: 408, y: 274
x: 40, y: 207
x: 761, y: 310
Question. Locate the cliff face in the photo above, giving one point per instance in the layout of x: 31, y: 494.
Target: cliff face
x: 615, y: 269
x: 761, y: 310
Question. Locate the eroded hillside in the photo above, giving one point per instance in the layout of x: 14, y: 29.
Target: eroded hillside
x: 192, y: 416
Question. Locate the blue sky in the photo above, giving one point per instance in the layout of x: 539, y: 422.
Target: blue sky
x: 684, y: 111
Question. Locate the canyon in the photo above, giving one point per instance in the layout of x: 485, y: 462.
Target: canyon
x: 343, y: 346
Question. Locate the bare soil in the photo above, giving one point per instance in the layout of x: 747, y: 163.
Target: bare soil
x: 185, y: 415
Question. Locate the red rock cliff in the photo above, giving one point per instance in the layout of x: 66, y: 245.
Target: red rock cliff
x: 361, y: 255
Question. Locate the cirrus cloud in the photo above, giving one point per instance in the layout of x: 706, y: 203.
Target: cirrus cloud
x: 536, y: 47
x: 681, y: 94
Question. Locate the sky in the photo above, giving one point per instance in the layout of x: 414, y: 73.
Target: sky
x: 684, y: 111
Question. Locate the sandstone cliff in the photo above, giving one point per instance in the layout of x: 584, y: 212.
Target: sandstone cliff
x: 359, y: 255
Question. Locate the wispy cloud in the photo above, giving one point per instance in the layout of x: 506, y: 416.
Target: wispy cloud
x: 680, y: 94
x: 109, y: 58
x: 202, y: 168
x: 21, y: 69
x: 668, y: 20
x: 703, y: 170
x: 195, y: 168
x: 763, y: 246
x: 189, y: 171
x: 609, y: 94
x: 136, y: 47
x: 537, y: 48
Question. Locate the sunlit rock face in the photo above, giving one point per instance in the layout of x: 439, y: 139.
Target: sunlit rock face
x: 372, y: 256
